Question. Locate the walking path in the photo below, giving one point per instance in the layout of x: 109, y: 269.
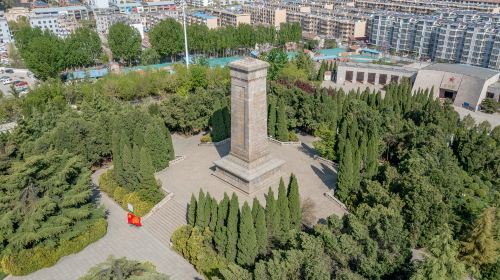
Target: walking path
x: 121, y: 240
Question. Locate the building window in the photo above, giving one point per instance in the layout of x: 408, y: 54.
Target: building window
x: 360, y: 77
x: 382, y: 79
x: 490, y: 95
x: 394, y: 78
x: 348, y: 76
x: 371, y: 78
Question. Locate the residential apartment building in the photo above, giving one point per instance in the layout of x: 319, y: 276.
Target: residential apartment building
x: 105, y: 18
x: 200, y: 3
x: 203, y: 18
x: 232, y: 17
x: 76, y: 12
x: 60, y: 25
x: 264, y: 14
x: 5, y: 36
x: 425, y: 7
x: 456, y: 37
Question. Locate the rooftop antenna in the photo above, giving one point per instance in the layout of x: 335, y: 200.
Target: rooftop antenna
x: 185, y: 34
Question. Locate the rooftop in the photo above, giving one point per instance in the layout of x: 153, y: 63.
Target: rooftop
x: 203, y: 15
x: 379, y: 67
x: 468, y: 70
x: 159, y: 3
x: 58, y: 9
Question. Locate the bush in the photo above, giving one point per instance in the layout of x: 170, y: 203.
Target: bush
x: 292, y: 137
x: 490, y: 106
x: 196, y: 247
x: 207, y: 138
x: 28, y: 261
x: 108, y: 184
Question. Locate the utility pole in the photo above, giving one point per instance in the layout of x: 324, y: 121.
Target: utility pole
x: 185, y: 34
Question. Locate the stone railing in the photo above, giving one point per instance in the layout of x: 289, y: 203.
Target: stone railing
x: 331, y: 195
x: 176, y: 160
x: 215, y: 143
x: 275, y: 141
x: 327, y: 161
x: 159, y: 205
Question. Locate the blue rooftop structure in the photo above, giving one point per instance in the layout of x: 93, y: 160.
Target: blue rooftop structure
x: 371, y: 51
x: 203, y: 15
x: 89, y: 73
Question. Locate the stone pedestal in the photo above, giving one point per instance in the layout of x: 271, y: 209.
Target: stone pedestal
x: 248, y: 165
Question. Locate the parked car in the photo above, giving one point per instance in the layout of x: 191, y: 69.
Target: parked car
x: 10, y: 71
x: 7, y: 81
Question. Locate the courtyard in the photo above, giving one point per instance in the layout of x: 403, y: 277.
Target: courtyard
x: 195, y: 172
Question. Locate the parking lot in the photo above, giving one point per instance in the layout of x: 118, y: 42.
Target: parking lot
x: 18, y: 75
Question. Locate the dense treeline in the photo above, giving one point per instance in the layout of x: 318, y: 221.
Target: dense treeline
x: 168, y: 40
x: 46, y: 55
x: 234, y: 238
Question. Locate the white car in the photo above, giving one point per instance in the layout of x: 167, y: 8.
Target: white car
x: 7, y: 81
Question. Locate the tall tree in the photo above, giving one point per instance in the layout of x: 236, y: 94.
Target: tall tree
x: 272, y: 214
x: 200, y: 210
x: 213, y: 215
x: 294, y: 203
x: 148, y: 188
x: 125, y: 42
x: 481, y: 247
x: 281, y: 122
x: 255, y: 208
x: 345, y: 179
x: 220, y: 237
x: 247, y: 241
x: 232, y: 228
x: 167, y: 38
x: 82, y: 47
x: 371, y: 167
x: 282, y: 205
x: 192, y: 211
x: 261, y: 231
x: 156, y: 143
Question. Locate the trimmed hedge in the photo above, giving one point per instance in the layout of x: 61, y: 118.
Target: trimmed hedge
x: 28, y: 261
x: 108, y: 184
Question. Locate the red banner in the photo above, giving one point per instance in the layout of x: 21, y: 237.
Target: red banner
x: 134, y: 220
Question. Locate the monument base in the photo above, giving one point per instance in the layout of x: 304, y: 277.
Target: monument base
x: 247, y: 179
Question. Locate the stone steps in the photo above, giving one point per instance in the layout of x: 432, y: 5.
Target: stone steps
x: 166, y: 220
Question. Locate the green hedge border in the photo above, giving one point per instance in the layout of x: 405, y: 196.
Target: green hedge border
x: 28, y: 261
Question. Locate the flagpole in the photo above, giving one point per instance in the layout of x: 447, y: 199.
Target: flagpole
x: 185, y: 35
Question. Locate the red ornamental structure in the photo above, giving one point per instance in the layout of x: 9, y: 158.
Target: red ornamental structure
x: 134, y: 220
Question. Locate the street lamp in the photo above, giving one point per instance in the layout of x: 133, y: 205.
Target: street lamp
x: 185, y: 34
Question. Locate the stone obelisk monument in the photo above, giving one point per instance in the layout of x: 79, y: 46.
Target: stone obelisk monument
x: 248, y: 165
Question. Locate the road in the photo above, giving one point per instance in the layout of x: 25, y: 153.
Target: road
x: 121, y: 240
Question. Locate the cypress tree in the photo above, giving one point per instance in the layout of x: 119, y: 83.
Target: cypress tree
x: 345, y: 179
x: 271, y: 118
x: 294, y: 203
x: 136, y: 159
x: 255, y: 208
x: 261, y: 231
x: 247, y: 241
x: 372, y: 157
x: 284, y: 211
x: 208, y: 209
x: 147, y: 181
x: 157, y: 146
x: 213, y: 215
x: 272, y: 218
x: 128, y: 176
x: 200, y: 210
x: 282, y: 123
x: 192, y: 211
x: 117, y: 160
x: 232, y: 228
x: 138, y: 138
x: 170, y: 145
x: 220, y: 236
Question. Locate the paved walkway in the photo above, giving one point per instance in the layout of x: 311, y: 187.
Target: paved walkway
x: 121, y: 240
x: 479, y: 117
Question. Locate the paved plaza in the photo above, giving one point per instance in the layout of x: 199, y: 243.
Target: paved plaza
x: 195, y: 172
